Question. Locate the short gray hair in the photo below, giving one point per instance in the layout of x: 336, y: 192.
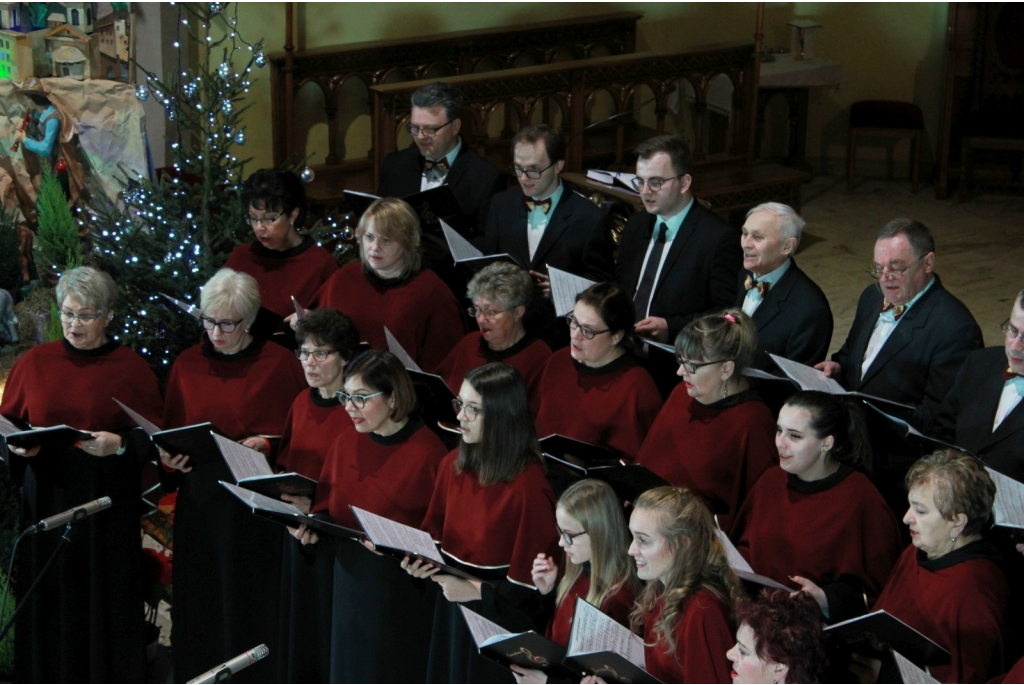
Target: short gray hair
x: 95, y: 289
x: 504, y: 283
x: 439, y: 95
x: 231, y: 291
x: 789, y: 223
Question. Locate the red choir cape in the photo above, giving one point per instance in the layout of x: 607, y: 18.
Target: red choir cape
x: 703, y: 635
x: 283, y: 274
x: 612, y: 406
x: 500, y: 526
x: 420, y: 311
x: 827, y: 531
x: 312, y: 425
x: 617, y: 606
x: 1016, y: 674
x: 528, y: 356
x: 244, y: 394
x: 958, y: 601
x: 716, y: 450
x: 391, y: 476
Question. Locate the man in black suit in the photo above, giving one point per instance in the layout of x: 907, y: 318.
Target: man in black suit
x: 791, y: 312
x: 678, y: 259
x: 983, y: 412
x: 544, y: 222
x: 440, y: 157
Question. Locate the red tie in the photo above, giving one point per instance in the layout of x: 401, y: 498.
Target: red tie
x: 440, y: 164
x: 543, y: 205
x: 897, y: 309
x: 762, y: 286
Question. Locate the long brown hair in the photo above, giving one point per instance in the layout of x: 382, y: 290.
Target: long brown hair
x: 698, y: 561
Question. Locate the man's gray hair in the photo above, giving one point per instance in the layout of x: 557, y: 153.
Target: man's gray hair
x: 439, y: 95
x: 790, y: 224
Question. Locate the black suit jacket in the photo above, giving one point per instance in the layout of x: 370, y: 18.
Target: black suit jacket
x: 577, y: 238
x: 699, y: 275
x: 919, y: 362
x: 793, y: 321
x: 473, y: 181
x: 970, y: 408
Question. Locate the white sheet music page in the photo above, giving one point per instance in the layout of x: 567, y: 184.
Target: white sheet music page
x: 594, y: 631
x: 258, y: 501
x: 6, y: 427
x: 243, y: 462
x: 387, y: 533
x: 189, y: 309
x: 484, y: 632
x: 736, y: 560
x: 808, y: 377
x: 1009, y: 505
x: 396, y: 349
x: 564, y: 289
x: 911, y: 672
x: 143, y: 423
x: 460, y: 248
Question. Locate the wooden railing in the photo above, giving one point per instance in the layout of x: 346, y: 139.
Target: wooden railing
x: 564, y: 94
x: 425, y: 58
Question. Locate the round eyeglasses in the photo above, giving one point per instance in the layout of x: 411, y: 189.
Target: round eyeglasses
x: 653, y: 184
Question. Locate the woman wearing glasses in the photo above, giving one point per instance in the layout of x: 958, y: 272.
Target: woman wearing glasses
x: 387, y: 288
x: 594, y: 390
x: 327, y: 341
x: 492, y: 512
x: 93, y: 588
x: 500, y: 293
x: 284, y: 263
x: 223, y: 556
x: 386, y: 465
x: 715, y: 436
x: 592, y: 531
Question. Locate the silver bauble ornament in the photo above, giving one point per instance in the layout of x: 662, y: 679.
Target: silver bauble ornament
x: 142, y: 92
x: 240, y: 137
x: 260, y: 59
x: 307, y: 175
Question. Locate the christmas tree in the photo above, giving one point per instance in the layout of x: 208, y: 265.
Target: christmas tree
x: 169, y: 234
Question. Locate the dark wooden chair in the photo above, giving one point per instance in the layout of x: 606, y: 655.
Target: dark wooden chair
x: 889, y: 119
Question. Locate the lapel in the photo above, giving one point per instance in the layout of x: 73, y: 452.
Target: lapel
x: 518, y: 242
x: 902, y: 336
x: 686, y: 232
x: 771, y: 305
x: 1013, y: 423
x: 646, y: 231
x: 990, y: 390
x: 556, y: 228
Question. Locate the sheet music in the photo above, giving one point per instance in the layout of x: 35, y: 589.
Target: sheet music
x: 671, y: 349
x: 808, y: 377
x: 300, y: 311
x: 396, y: 349
x: 594, y: 631
x: 910, y: 672
x: 387, y: 533
x: 620, y: 180
x: 189, y: 309
x: 243, y: 462
x: 484, y: 632
x: 356, y: 192
x: 258, y: 501
x: 143, y: 423
x: 460, y: 248
x: 564, y: 289
x: 763, y: 375
x: 605, y: 177
x: 736, y: 560
x: 1009, y: 504
x: 6, y: 427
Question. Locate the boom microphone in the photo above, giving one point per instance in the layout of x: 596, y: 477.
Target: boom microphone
x: 70, y: 516
x: 231, y: 667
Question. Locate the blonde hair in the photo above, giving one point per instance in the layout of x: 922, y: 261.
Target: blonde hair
x: 699, y: 561
x: 93, y: 288
x: 395, y: 220
x: 593, y: 503
x: 729, y: 334
x: 962, y: 486
x: 231, y: 291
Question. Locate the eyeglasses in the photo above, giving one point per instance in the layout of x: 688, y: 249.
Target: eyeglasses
x: 84, y: 319
x: 427, y: 131
x: 224, y: 326
x: 568, y: 538
x: 1011, y: 332
x: 691, y: 367
x: 532, y: 172
x: 262, y: 220
x: 489, y: 314
x: 319, y: 355
x: 469, y: 410
x: 878, y: 271
x: 358, y: 401
x: 585, y: 331
x: 654, y: 184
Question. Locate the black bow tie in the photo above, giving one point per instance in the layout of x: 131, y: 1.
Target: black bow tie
x: 762, y: 286
x: 897, y: 309
x: 542, y: 205
x: 439, y: 164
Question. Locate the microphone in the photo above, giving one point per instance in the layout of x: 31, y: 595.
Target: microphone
x: 668, y: 91
x: 229, y: 668
x: 70, y: 516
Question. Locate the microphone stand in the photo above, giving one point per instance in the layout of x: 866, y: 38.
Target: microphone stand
x: 61, y: 544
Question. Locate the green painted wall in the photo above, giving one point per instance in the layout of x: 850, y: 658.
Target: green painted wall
x: 890, y: 51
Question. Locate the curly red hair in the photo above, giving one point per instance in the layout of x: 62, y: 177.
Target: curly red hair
x: 788, y: 631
